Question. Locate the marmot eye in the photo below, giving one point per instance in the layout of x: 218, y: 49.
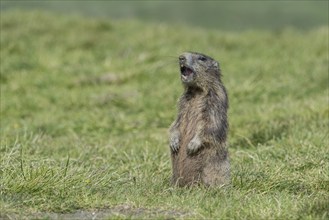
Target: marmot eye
x: 202, y: 58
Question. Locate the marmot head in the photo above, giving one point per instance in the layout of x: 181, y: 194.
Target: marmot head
x: 198, y: 70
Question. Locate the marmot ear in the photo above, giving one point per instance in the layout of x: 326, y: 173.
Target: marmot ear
x: 215, y: 64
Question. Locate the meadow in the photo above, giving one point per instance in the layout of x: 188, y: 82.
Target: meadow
x: 86, y: 104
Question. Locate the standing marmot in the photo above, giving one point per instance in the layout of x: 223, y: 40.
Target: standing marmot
x: 198, y: 135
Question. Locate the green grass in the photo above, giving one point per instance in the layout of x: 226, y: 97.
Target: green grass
x: 229, y: 15
x: 86, y: 104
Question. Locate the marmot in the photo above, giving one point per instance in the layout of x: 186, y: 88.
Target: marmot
x: 198, y: 135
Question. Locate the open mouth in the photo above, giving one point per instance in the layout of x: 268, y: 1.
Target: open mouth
x: 186, y: 73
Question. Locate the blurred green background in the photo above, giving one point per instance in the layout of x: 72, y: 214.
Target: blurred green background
x: 226, y: 15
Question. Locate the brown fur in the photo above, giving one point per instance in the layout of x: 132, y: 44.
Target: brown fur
x: 198, y: 136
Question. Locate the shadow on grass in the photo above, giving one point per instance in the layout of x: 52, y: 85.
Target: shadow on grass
x: 319, y: 208
x: 262, y: 182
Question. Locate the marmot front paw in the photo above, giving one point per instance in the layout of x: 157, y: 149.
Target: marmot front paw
x: 174, y: 142
x: 194, y: 145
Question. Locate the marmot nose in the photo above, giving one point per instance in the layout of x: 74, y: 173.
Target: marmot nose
x: 182, y: 58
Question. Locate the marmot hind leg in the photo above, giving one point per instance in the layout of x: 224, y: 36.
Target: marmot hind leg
x: 216, y: 171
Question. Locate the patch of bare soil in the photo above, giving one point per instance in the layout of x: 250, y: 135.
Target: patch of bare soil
x: 100, y: 214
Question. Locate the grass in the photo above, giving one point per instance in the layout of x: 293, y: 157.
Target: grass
x: 86, y: 104
x: 228, y: 15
